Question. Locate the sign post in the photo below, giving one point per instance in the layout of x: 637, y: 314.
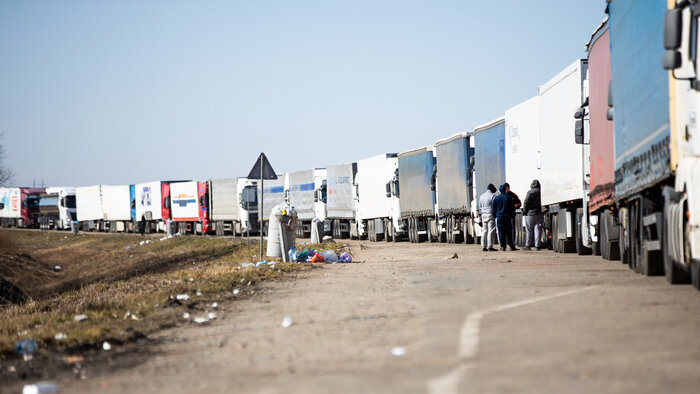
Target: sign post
x: 262, y: 170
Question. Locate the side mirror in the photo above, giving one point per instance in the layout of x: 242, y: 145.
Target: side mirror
x: 388, y: 189
x: 471, y: 161
x: 672, y: 29
x: 610, y: 96
x: 610, y: 113
x: 578, y: 131
x: 672, y: 60
x: 579, y: 113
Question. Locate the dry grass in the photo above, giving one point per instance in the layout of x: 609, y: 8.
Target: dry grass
x: 125, y: 292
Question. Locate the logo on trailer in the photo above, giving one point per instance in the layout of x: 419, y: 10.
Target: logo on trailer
x: 183, y: 199
x: 14, y: 204
x: 146, y: 196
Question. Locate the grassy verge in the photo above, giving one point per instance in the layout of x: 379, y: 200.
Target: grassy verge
x: 125, y: 289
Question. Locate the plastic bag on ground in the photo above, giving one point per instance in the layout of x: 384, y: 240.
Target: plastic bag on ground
x: 317, y: 258
x: 303, y: 255
x: 330, y: 256
x: 345, y: 258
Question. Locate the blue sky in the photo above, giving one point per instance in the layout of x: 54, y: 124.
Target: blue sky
x: 118, y: 92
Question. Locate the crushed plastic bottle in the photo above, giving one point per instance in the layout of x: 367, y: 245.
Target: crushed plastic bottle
x: 293, y: 254
x: 183, y: 297
x: 259, y: 263
x: 40, y: 388
x: 26, y: 347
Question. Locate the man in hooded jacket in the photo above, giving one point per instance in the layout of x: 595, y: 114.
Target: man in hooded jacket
x: 488, y: 221
x: 504, y: 208
x: 532, y: 211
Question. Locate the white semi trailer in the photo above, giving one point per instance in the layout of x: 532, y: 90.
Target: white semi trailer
x: 116, y: 208
x: 307, y: 193
x: 340, y: 201
x: 88, y: 204
x: 522, y: 127
x: 274, y: 194
x: 563, y: 164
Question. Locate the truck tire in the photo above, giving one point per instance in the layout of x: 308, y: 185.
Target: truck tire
x: 675, y: 274
x: 581, y: 249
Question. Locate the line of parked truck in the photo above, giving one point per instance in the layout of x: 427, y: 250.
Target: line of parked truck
x: 612, y: 138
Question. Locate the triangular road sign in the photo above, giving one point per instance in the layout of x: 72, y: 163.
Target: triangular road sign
x: 267, y: 171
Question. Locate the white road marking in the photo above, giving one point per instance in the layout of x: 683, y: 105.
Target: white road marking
x: 469, y: 341
x: 448, y: 383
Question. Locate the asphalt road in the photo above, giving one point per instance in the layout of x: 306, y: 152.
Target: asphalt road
x: 498, y: 322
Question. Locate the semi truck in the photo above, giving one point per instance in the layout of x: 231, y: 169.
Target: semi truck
x: 152, y: 205
x: 57, y: 208
x: 19, y: 206
x: 595, y: 127
x: 681, y: 211
x: 563, y: 163
x: 645, y: 157
x: 377, y: 199
x: 189, y: 203
x: 116, y: 208
x: 377, y: 214
x: 234, y: 206
x: 417, y: 178
x: 307, y: 193
x: 340, y: 198
x: 522, y: 127
x: 455, y: 191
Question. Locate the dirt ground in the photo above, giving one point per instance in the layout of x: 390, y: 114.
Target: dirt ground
x: 408, y: 319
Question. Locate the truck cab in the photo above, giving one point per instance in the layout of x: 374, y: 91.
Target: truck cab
x: 682, y: 202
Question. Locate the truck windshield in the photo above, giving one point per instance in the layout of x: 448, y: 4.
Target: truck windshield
x: 33, y: 202
x: 70, y: 201
x: 249, y: 197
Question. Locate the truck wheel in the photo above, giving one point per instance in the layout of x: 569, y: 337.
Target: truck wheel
x: 674, y: 273
x: 581, y: 249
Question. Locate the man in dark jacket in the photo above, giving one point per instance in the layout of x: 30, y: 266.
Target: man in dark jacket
x: 532, y: 212
x: 516, y: 202
x: 516, y: 199
x: 504, y: 209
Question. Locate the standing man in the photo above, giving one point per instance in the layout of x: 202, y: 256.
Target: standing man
x: 504, y: 207
x: 516, y: 202
x: 488, y: 221
x: 532, y: 211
